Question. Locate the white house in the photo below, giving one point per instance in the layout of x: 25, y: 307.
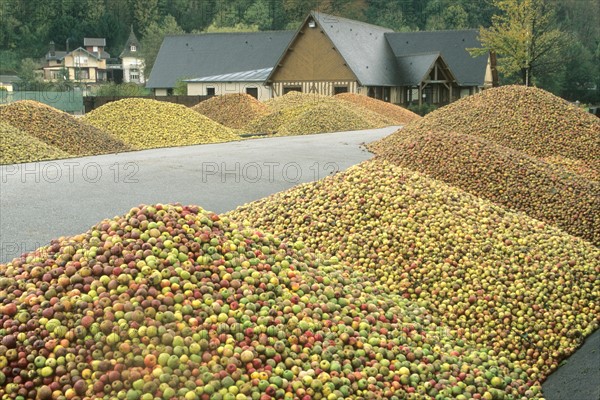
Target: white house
x: 132, y: 61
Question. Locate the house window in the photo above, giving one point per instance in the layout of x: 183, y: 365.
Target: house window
x: 252, y: 91
x: 81, y: 60
x: 210, y: 91
x: 288, y: 89
x: 340, y: 89
x: 134, y: 75
x: 83, y: 73
x: 133, y: 48
x: 95, y: 48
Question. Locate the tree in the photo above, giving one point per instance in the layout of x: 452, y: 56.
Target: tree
x: 259, y: 14
x: 525, y: 37
x: 145, y: 13
x: 181, y: 87
x: 153, y: 37
x: 26, y: 72
x: 241, y: 27
x: 393, y: 15
x: 443, y: 14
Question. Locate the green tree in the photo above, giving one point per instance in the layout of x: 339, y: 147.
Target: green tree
x: 444, y: 14
x: 181, y: 87
x: 123, y: 89
x: 145, y: 13
x: 394, y: 15
x: 153, y: 37
x: 526, y: 38
x: 27, y: 72
x: 259, y: 15
x: 241, y: 27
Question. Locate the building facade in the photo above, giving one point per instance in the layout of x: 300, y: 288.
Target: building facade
x: 328, y: 55
x: 132, y: 62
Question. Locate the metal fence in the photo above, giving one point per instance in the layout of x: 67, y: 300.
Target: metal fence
x: 70, y: 101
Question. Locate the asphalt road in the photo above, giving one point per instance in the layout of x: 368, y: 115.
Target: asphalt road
x: 46, y: 200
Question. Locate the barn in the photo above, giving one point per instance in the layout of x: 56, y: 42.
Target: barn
x: 327, y: 55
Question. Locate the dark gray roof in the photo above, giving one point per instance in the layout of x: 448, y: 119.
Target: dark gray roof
x: 9, y: 78
x: 413, y: 68
x: 364, y: 48
x: 452, y: 46
x: 58, y: 55
x: 256, y: 75
x: 193, y: 56
x: 131, y: 41
x: 94, y: 41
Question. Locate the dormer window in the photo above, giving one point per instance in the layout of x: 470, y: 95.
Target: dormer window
x: 133, y: 47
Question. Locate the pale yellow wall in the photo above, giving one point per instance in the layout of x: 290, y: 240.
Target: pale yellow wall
x: 221, y: 88
x: 325, y: 88
x: 93, y: 64
x: 312, y: 57
x: 488, y: 74
x: 396, y: 95
x: 160, y: 92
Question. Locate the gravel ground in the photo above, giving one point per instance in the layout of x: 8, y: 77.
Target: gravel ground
x: 41, y: 201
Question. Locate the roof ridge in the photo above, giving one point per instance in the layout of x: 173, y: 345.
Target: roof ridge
x: 84, y: 49
x: 423, y: 53
x: 354, y: 21
x: 436, y: 31
x: 225, y: 33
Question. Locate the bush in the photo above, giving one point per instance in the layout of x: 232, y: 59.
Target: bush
x: 422, y: 109
x: 122, y: 89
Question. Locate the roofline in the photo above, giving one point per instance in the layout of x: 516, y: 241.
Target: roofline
x: 224, y: 33
x: 196, y: 80
x: 200, y: 79
x: 285, y: 51
x: 439, y: 57
x: 389, y: 30
x: 90, y: 53
x: 436, y: 31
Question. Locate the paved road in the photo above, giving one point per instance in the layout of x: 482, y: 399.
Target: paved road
x: 579, y: 378
x: 41, y: 201
x: 46, y: 200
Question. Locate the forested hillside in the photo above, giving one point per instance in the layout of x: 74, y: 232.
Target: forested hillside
x: 29, y: 25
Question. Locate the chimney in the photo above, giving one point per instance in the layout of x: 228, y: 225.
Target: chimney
x: 52, y: 49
